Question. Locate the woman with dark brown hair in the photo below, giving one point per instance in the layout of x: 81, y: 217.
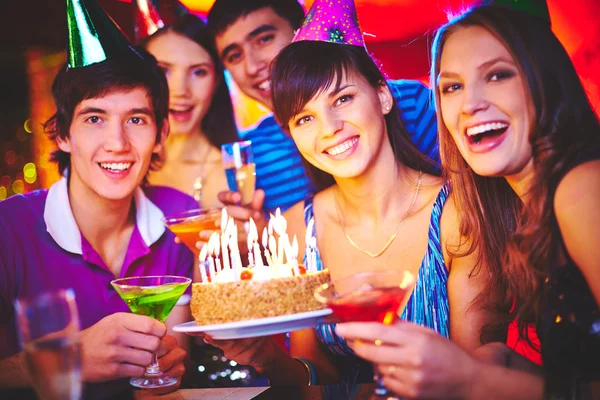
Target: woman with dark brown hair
x: 381, y: 205
x: 200, y: 110
x: 521, y: 145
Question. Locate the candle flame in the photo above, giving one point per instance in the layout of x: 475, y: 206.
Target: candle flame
x: 214, y: 239
x: 231, y: 227
x: 224, y: 219
x: 272, y: 246
x: 203, y: 252
x: 252, y: 232
x: 270, y: 226
x: 265, y: 238
x: 252, y: 235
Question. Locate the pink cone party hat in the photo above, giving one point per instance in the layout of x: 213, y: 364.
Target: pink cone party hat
x: 333, y: 21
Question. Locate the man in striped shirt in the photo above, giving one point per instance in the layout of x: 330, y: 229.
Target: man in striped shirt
x: 249, y: 34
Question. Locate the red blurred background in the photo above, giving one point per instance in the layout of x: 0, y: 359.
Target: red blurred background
x: 32, y: 38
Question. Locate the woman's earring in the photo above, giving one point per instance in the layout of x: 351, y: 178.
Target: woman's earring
x: 387, y: 108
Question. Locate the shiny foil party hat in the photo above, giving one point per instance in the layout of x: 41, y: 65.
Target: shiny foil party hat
x: 146, y: 19
x: 333, y: 21
x: 93, y: 36
x: 539, y: 8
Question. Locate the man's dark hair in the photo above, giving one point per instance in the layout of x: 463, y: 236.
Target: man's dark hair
x: 74, y: 85
x: 225, y: 12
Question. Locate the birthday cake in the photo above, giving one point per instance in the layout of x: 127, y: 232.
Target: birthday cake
x: 230, y: 293
x: 245, y: 299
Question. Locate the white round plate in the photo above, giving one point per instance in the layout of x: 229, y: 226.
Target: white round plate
x: 257, y: 327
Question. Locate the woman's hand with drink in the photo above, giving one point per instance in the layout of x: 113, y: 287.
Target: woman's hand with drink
x: 415, y: 361
x: 119, y: 346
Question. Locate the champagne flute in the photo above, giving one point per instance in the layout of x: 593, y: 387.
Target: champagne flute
x: 368, y: 297
x: 49, y: 333
x: 238, y: 162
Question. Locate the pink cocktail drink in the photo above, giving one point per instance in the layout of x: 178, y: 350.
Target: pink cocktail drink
x: 368, y: 297
x: 369, y: 305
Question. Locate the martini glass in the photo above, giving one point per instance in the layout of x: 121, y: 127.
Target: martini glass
x: 188, y: 224
x: 152, y: 296
x: 368, y: 297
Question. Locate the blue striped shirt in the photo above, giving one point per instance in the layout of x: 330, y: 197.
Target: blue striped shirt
x: 279, y: 169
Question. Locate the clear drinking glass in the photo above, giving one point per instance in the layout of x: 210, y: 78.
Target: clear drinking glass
x: 368, y: 297
x: 152, y: 296
x: 49, y: 333
x: 238, y: 162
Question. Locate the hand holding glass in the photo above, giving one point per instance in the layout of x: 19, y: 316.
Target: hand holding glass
x: 152, y: 296
x: 368, y: 297
x: 238, y: 162
x: 49, y: 334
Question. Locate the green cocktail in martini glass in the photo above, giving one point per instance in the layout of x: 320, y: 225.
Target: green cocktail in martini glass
x: 152, y: 296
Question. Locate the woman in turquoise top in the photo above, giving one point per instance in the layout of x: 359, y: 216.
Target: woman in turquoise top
x: 380, y: 206
x: 378, y: 199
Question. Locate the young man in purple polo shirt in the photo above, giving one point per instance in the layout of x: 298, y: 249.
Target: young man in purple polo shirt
x: 98, y: 222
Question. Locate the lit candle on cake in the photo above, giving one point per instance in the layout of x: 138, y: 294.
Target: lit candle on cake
x: 210, y: 246
x: 273, y: 250
x: 253, y: 234
x: 216, y: 249
x: 224, y: 252
x: 265, y: 243
x: 250, y: 240
x: 236, y: 259
x: 202, y: 262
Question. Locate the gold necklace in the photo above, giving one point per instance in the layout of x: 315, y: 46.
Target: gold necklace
x: 200, y: 180
x: 391, y: 239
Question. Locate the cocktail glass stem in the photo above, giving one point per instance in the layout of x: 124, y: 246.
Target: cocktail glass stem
x: 153, y: 369
x: 381, y: 392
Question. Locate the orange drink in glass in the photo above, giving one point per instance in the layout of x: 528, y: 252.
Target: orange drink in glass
x: 188, y: 224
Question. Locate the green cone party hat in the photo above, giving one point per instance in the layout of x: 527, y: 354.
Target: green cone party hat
x: 93, y: 36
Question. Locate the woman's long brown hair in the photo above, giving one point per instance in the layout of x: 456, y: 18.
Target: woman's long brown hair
x: 519, y: 241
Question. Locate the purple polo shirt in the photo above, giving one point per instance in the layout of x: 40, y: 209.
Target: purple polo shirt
x: 42, y: 249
